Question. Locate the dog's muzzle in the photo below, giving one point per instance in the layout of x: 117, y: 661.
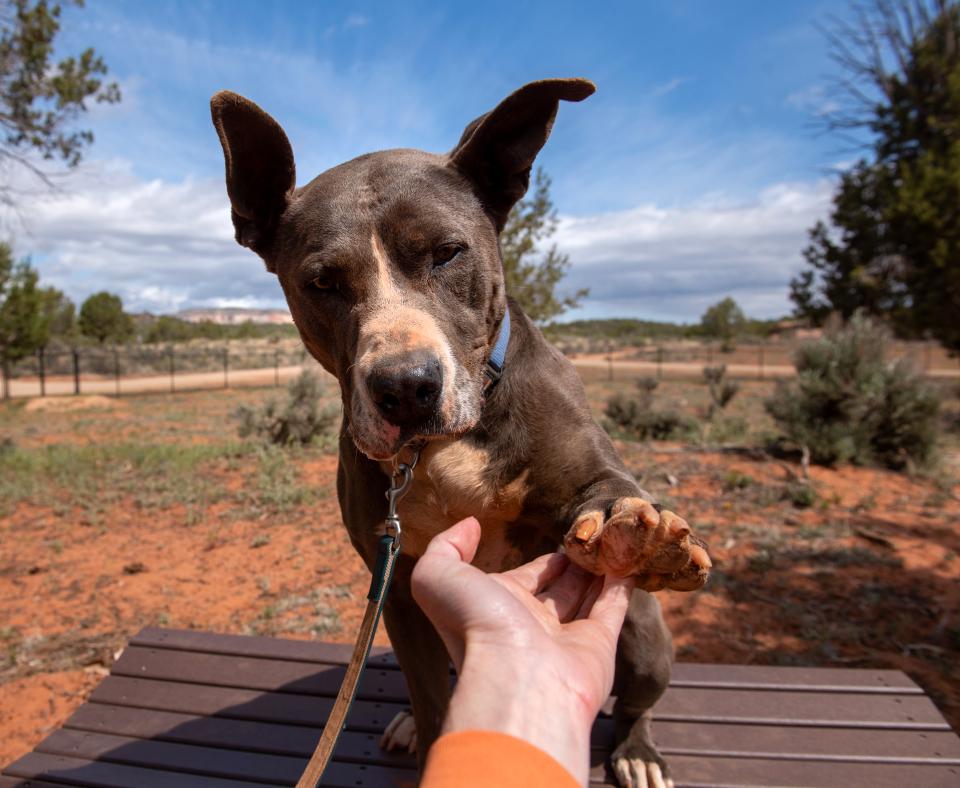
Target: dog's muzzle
x: 407, y: 391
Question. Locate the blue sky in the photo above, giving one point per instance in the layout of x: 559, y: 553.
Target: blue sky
x: 691, y: 174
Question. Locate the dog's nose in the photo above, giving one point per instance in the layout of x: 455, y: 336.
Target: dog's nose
x: 406, y: 392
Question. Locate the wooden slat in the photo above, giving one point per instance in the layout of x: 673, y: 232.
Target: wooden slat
x: 684, y: 674
x: 743, y: 772
x: 18, y: 782
x: 211, y: 761
x: 775, y: 707
x: 258, y: 707
x: 304, y: 678
x: 228, y: 733
x: 823, y: 744
x: 764, y: 706
x: 171, y: 756
x: 238, y: 703
x: 705, y: 705
x: 673, y: 738
x: 258, y: 736
x: 76, y: 771
x: 687, y: 674
x: 253, y: 646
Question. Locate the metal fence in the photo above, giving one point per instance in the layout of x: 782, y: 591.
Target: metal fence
x: 126, y: 370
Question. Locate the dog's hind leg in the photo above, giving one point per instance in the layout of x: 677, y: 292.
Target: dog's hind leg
x: 425, y: 664
x: 644, y: 657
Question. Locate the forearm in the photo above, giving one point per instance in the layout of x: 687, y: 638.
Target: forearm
x: 525, y: 702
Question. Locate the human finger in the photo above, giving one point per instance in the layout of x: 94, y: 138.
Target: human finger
x: 458, y: 542
x: 589, y: 598
x: 562, y: 598
x: 611, y: 604
x: 538, y: 573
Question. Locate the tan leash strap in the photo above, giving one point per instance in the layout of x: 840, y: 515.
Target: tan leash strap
x: 388, y: 549
x: 361, y: 650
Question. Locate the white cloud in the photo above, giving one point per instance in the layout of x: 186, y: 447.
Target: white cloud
x: 165, y: 246
x: 813, y: 100
x: 670, y: 263
x: 160, y: 245
x: 668, y: 87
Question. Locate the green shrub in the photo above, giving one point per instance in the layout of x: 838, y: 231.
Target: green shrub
x: 637, y: 418
x: 299, y: 420
x: 847, y: 404
x: 801, y: 494
x: 721, y: 390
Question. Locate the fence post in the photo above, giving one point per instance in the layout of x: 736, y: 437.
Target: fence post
x: 116, y: 369
x: 76, y: 372
x: 6, y: 378
x: 609, y: 367
x: 226, y: 367
x: 276, y: 367
x: 173, y: 386
x: 42, y: 372
x: 761, y: 361
x: 709, y: 354
x: 659, y: 362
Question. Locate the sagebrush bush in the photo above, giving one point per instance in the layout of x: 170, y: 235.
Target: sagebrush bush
x: 638, y: 419
x: 298, y: 420
x: 721, y: 390
x: 848, y: 404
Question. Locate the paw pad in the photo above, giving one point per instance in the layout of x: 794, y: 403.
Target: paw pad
x: 658, y: 548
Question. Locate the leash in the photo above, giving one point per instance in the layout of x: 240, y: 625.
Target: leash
x: 387, y: 551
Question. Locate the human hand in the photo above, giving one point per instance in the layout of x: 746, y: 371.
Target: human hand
x: 534, y: 647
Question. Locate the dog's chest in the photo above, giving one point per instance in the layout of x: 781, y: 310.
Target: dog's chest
x: 452, y: 482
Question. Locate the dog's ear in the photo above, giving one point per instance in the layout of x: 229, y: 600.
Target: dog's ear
x: 260, y: 171
x: 497, y: 150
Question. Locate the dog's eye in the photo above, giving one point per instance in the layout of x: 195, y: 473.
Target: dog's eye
x: 325, y: 283
x: 444, y: 253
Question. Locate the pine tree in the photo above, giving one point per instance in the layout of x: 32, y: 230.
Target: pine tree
x: 894, y: 245
x: 532, y: 277
x: 25, y: 317
x: 102, y: 318
x: 40, y: 98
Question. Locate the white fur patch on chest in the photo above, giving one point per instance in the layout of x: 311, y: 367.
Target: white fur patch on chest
x: 451, y: 483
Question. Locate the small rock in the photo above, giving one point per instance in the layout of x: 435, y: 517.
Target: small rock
x: 672, y: 480
x: 135, y: 568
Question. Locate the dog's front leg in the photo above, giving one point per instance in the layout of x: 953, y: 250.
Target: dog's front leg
x: 615, y: 527
x: 425, y: 664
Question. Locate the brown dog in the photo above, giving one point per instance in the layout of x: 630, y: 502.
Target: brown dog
x: 391, y: 267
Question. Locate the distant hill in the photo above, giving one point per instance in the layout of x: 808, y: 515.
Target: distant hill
x: 235, y: 315
x: 620, y: 329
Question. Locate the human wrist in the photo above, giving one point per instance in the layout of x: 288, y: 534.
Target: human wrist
x: 497, y: 692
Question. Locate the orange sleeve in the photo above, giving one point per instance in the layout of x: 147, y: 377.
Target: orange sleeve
x: 480, y: 759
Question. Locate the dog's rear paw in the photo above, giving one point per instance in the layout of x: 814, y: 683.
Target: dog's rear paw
x: 401, y: 734
x: 656, y: 547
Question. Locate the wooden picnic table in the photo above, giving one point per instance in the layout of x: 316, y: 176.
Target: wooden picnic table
x: 186, y: 708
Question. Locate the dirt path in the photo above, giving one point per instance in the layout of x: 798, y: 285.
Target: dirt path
x: 594, y: 368
x: 58, y: 386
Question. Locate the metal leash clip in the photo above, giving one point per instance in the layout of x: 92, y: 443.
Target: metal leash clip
x: 389, y: 544
x: 399, y: 484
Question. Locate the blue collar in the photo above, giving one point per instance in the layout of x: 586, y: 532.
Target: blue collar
x: 494, y: 368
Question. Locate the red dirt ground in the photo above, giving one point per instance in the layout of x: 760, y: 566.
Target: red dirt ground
x: 865, y: 576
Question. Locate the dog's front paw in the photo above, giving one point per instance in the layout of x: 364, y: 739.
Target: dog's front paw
x: 656, y: 547
x: 400, y: 734
x: 635, y: 770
